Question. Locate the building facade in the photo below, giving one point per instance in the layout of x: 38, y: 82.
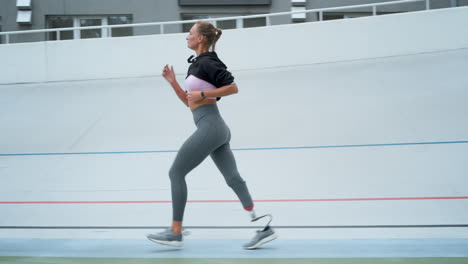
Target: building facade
x: 21, y: 15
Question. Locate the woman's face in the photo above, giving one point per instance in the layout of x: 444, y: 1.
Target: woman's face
x: 194, y: 39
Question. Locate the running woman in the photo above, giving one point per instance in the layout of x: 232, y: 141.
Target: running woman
x: 206, y: 82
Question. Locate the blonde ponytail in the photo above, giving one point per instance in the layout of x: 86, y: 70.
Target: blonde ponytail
x: 211, y: 33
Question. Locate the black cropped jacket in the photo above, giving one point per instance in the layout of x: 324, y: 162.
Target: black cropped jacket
x: 208, y: 67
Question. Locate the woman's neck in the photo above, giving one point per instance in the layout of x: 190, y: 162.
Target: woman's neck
x: 201, y: 50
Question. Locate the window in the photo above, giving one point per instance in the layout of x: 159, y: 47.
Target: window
x: 224, y: 24
x: 88, y: 21
x: 223, y: 2
x: 331, y: 15
x: 60, y: 22
x: 91, y: 33
x: 255, y: 22
x: 120, y: 20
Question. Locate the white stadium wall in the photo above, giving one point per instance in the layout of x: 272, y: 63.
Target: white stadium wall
x: 252, y: 48
x: 357, y: 122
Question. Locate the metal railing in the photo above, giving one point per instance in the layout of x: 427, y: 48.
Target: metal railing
x: 239, y: 19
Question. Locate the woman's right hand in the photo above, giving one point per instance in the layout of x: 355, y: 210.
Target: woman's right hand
x: 168, y: 74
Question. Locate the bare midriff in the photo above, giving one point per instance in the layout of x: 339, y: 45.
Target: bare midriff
x: 196, y: 104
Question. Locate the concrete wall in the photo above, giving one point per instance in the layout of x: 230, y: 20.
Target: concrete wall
x: 326, y: 42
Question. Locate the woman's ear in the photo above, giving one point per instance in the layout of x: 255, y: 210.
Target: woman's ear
x: 200, y: 38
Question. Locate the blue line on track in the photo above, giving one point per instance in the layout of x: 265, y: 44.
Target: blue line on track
x: 240, y: 149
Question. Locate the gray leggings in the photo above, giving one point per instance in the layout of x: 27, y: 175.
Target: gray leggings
x: 211, y: 138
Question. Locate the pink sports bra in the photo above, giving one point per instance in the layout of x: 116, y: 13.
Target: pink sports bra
x: 193, y: 83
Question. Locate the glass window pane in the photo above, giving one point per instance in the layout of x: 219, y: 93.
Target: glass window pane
x: 332, y: 16
x: 90, y: 33
x: 226, y: 24
x: 187, y: 26
x: 60, y: 22
x: 223, y: 2
x: 255, y: 22
x: 119, y: 20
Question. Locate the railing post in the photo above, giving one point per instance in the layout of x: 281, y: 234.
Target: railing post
x: 428, y: 5
x: 268, y: 21
x: 215, y: 24
x: 320, y: 15
x: 374, y: 10
x: 161, y: 29
x: 58, y: 34
x: 76, y: 34
x: 7, y: 39
x: 240, y: 23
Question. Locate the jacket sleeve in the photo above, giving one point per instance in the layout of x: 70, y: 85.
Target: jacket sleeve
x: 217, y: 73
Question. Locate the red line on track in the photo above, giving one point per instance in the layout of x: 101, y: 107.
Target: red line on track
x: 236, y: 201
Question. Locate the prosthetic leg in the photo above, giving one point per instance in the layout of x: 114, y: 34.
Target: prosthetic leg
x: 255, y: 218
x: 263, y: 236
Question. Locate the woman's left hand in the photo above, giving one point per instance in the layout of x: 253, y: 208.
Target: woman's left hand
x: 194, y: 96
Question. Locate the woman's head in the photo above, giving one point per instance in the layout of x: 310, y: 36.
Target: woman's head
x: 203, y: 35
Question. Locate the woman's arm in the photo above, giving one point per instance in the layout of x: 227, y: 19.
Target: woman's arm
x: 180, y: 92
x: 222, y: 91
x: 218, y: 92
x: 169, y: 75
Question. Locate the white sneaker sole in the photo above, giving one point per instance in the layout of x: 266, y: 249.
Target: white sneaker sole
x: 167, y: 243
x: 263, y: 241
